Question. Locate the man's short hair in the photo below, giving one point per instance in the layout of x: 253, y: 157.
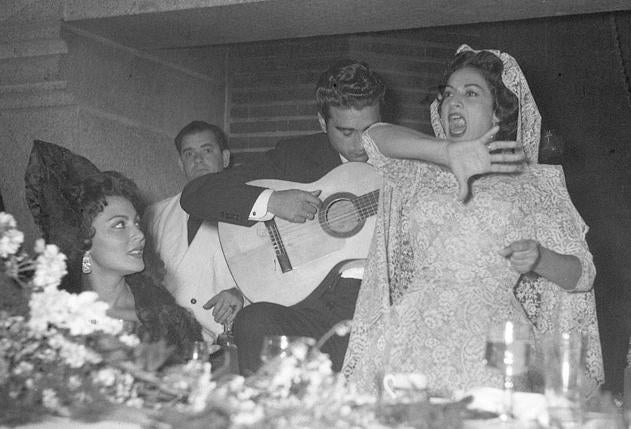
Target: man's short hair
x: 198, y: 127
x: 349, y: 84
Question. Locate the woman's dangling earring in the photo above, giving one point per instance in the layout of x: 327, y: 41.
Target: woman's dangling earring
x: 86, y: 263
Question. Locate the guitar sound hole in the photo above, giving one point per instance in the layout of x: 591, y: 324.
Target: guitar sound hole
x: 339, y: 216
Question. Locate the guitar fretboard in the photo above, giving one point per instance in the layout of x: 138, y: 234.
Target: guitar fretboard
x: 367, y: 204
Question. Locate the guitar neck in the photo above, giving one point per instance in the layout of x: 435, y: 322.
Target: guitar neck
x: 367, y: 204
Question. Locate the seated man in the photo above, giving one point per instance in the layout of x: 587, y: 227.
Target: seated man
x: 349, y: 95
x: 197, y: 274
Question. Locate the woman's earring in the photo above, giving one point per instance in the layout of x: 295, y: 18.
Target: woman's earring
x: 86, y: 263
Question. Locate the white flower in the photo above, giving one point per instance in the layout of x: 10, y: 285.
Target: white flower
x: 23, y: 368
x: 74, y: 355
x: 249, y: 417
x: 77, y: 355
x: 106, y: 377
x: 10, y: 242
x: 135, y: 402
x: 343, y: 328
x: 50, y: 267
x: 81, y: 314
x: 40, y: 245
x: 50, y: 399
x: 74, y: 382
x: 10, y: 238
x: 4, y: 370
x: 130, y: 340
x: 7, y: 222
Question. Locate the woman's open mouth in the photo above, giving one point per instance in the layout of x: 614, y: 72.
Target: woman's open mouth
x: 457, y: 124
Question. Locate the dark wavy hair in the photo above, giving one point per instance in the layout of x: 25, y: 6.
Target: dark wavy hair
x: 505, y: 102
x: 89, y: 199
x: 198, y: 127
x: 349, y: 84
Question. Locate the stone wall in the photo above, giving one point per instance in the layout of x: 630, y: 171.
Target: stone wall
x: 117, y: 106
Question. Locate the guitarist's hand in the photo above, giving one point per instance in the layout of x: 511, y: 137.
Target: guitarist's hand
x: 294, y: 205
x: 227, y: 304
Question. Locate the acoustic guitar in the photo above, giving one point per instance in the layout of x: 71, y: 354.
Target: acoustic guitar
x: 283, y: 262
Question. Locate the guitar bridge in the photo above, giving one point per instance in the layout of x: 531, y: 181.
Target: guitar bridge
x: 279, y: 247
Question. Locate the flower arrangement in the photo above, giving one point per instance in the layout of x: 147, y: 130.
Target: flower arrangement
x: 295, y: 390
x: 59, y: 352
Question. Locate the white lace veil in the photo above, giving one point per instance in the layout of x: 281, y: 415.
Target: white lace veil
x: 529, y: 119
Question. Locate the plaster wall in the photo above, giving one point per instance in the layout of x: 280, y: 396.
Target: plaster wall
x: 132, y: 104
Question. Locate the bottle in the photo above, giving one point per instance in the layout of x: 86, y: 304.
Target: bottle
x: 230, y: 351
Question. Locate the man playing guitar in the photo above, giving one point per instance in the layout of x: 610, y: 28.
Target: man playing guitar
x: 349, y: 97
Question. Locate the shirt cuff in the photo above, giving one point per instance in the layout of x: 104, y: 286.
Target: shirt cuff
x: 353, y: 273
x: 259, y: 209
x: 353, y: 269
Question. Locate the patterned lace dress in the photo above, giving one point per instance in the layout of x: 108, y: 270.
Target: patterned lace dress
x: 435, y: 282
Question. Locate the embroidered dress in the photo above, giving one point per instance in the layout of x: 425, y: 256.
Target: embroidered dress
x: 434, y: 280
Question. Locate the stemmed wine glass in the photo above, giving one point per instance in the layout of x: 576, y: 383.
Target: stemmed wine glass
x: 281, y: 346
x: 508, y: 349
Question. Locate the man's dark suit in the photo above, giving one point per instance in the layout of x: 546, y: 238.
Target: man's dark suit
x: 225, y: 197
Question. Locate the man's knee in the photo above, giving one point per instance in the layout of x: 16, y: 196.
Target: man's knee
x: 254, y: 320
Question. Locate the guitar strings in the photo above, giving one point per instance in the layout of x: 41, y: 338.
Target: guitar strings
x: 363, y: 208
x: 366, y: 205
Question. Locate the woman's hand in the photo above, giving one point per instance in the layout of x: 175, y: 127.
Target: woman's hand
x: 227, y: 304
x: 524, y: 255
x: 528, y: 256
x: 470, y: 158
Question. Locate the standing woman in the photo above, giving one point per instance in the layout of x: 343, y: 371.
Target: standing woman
x: 440, y: 271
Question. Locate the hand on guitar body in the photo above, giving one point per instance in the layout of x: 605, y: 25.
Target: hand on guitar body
x: 294, y: 205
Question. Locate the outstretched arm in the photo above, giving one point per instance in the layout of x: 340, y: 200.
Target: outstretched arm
x: 465, y: 159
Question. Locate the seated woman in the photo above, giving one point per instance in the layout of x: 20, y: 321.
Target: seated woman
x: 440, y: 271
x: 94, y: 218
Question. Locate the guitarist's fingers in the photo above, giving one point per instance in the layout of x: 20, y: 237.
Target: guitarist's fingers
x: 309, y: 209
x: 222, y: 314
x: 312, y: 199
x: 211, y: 302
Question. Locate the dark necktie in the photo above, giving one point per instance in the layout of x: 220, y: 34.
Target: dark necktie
x: 192, y: 226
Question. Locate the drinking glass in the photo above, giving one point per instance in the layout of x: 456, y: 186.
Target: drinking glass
x: 200, y: 352
x: 564, y: 372
x: 508, y: 350
x: 281, y: 346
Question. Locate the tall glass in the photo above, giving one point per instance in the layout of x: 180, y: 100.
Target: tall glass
x: 508, y: 350
x: 564, y: 372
